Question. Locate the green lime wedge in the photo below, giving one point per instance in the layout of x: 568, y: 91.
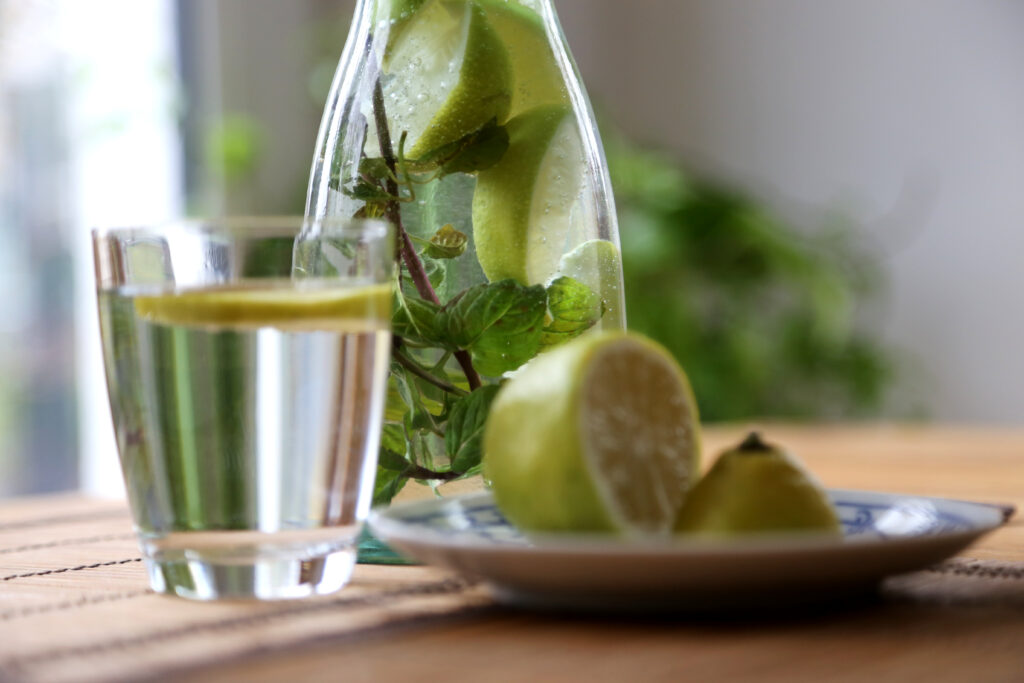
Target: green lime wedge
x: 526, y: 212
x: 356, y: 308
x: 536, y: 76
x: 446, y: 74
x: 600, y: 434
x: 757, y: 488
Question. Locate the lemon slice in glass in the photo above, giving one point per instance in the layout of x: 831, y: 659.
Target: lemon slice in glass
x: 601, y: 434
x: 446, y: 74
x: 284, y: 307
x: 526, y: 212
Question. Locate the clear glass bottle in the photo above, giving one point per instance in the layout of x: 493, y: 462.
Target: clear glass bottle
x: 465, y: 123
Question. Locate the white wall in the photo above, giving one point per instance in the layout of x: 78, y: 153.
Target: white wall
x: 907, y: 115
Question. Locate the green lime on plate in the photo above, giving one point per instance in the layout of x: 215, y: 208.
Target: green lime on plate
x: 601, y: 434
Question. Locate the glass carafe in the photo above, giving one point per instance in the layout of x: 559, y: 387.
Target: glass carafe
x: 464, y: 123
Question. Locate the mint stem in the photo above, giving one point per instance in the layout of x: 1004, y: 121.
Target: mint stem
x: 413, y: 367
x: 409, y: 256
x: 420, y: 472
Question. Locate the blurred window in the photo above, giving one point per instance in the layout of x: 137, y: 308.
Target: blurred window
x: 88, y: 136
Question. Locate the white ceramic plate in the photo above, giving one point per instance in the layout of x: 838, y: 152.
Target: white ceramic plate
x: 884, y: 534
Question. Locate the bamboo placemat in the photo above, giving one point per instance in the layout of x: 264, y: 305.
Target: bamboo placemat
x: 75, y: 606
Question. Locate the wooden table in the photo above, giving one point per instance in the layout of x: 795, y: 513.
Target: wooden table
x: 74, y: 605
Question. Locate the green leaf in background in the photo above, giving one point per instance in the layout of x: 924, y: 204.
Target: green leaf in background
x: 765, y: 316
x: 235, y: 145
x: 573, y: 309
x: 465, y: 428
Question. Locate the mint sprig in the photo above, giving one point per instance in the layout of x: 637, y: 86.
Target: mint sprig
x: 435, y: 418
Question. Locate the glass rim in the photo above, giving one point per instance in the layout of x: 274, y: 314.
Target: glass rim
x: 250, y: 227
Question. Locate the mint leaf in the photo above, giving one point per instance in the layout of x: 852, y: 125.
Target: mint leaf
x: 502, y: 349
x: 394, y: 404
x: 387, y: 485
x: 485, y: 148
x: 417, y: 320
x: 573, y: 309
x: 447, y: 243
x: 437, y: 275
x: 374, y: 168
x: 389, y: 460
x: 368, y: 192
x: 392, y: 438
x: 476, y: 151
x: 499, y: 322
x: 465, y: 428
x: 474, y: 311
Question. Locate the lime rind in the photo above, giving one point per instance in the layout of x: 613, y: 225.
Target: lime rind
x: 446, y: 74
x: 536, y: 76
x: 526, y: 212
x: 539, y: 479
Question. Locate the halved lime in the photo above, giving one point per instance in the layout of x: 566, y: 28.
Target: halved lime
x: 526, y: 208
x: 446, y: 74
x: 287, y: 307
x: 601, y: 434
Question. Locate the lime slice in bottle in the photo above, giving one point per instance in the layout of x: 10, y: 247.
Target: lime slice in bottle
x: 525, y: 208
x: 536, y: 76
x: 612, y: 440
x: 285, y: 307
x: 446, y: 74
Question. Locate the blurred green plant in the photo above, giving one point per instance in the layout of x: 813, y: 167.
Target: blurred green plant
x: 234, y: 146
x: 761, y: 315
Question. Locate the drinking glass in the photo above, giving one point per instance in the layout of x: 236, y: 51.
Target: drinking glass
x: 246, y: 364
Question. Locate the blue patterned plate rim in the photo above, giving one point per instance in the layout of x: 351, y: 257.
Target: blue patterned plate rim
x: 869, y: 518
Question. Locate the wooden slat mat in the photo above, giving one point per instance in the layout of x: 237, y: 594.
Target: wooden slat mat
x: 74, y: 603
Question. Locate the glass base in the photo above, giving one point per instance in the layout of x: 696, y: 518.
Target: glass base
x: 249, y: 572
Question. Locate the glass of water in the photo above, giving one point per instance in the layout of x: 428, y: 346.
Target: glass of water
x: 246, y: 363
